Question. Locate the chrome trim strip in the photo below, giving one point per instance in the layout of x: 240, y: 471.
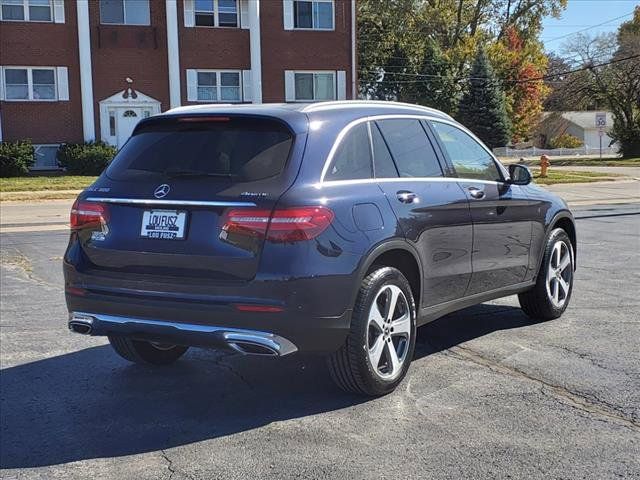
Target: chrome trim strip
x: 278, y: 344
x: 152, y: 201
x: 332, y: 183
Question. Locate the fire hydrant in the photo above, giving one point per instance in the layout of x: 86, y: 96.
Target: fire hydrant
x: 544, y: 165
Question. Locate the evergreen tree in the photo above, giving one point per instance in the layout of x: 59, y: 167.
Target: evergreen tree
x: 482, y: 108
x: 435, y: 86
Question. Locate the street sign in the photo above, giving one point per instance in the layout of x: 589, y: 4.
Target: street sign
x: 601, y: 120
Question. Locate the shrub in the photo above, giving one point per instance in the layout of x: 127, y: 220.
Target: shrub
x: 85, y: 158
x: 16, y: 158
x: 565, y: 141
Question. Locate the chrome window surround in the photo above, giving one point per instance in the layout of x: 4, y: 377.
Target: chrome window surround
x: 358, y: 121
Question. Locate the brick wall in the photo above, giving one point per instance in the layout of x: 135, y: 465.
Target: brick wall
x: 48, y: 45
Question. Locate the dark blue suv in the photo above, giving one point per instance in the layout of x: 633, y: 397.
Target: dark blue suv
x: 334, y: 228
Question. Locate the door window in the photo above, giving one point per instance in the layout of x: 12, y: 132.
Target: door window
x: 469, y: 158
x: 382, y: 161
x: 410, y: 147
x: 352, y: 159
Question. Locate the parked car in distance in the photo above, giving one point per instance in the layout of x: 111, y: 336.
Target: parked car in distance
x: 334, y: 228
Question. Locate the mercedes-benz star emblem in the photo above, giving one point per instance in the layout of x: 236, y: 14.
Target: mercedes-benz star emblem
x: 161, y: 191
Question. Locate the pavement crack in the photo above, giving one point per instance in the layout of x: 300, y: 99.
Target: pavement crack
x: 583, y: 402
x: 169, y: 463
x: 220, y: 362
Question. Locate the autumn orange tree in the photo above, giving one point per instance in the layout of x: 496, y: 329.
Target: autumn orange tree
x: 520, y: 63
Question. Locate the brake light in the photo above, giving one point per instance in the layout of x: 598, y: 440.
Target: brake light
x: 282, y: 225
x: 88, y: 214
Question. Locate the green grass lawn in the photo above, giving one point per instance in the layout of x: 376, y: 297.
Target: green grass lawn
x: 31, y: 184
x: 567, y: 176
x: 590, y: 162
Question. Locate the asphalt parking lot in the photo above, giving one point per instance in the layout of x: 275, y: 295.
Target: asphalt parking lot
x: 490, y: 394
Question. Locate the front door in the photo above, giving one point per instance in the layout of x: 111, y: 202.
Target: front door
x: 126, y: 121
x: 499, y: 211
x: 432, y: 211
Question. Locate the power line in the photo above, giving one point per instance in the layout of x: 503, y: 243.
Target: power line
x: 588, y: 28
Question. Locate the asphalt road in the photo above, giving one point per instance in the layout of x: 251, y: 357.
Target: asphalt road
x: 490, y: 394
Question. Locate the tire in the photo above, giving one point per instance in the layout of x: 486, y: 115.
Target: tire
x: 541, y: 302
x: 352, y: 366
x: 147, y: 353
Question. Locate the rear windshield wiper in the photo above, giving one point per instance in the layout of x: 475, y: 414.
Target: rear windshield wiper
x: 196, y: 173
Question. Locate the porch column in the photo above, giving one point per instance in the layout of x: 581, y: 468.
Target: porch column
x: 255, y: 48
x: 173, y: 53
x: 86, y: 76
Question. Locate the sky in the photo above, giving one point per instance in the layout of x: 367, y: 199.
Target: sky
x: 590, y: 16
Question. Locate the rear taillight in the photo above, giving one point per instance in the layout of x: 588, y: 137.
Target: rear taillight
x: 282, y: 225
x: 88, y: 214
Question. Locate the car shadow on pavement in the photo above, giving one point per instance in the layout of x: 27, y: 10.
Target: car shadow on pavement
x: 91, y: 404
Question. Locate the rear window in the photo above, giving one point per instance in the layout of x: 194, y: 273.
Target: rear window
x: 241, y: 149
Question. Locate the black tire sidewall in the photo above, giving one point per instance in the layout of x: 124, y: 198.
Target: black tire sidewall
x: 358, y: 338
x: 541, y: 285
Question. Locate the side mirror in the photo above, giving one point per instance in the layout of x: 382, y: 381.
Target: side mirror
x: 519, y: 174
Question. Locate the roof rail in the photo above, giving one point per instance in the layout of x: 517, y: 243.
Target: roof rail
x: 319, y: 106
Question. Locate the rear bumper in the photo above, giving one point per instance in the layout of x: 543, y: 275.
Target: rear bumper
x: 204, y: 324
x: 244, y: 341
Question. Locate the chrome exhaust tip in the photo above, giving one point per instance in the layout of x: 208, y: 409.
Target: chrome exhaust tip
x: 258, y: 343
x: 82, y: 328
x: 82, y: 324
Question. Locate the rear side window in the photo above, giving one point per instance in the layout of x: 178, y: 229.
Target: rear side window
x: 352, y: 159
x: 382, y: 160
x: 410, y: 147
x: 469, y: 158
x: 242, y: 149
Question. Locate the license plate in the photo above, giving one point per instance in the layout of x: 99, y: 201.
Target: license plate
x: 163, y: 224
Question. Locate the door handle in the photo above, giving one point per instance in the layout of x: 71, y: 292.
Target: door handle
x: 476, y: 193
x: 406, y: 196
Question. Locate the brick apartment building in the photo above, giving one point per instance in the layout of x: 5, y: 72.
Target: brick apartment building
x: 82, y: 70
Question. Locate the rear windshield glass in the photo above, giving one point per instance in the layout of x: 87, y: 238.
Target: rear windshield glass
x: 237, y: 148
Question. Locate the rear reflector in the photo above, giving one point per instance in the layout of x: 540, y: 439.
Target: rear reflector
x: 282, y: 225
x: 88, y: 214
x: 258, y: 308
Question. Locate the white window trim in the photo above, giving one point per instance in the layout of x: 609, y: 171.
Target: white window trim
x: 313, y: 29
x: 218, y: 85
x: 335, y: 86
x: 25, y: 6
x: 124, y: 16
x: 216, y: 18
x: 30, y: 84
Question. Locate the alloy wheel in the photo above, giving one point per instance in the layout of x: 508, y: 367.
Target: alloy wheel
x: 389, y: 332
x: 559, y: 274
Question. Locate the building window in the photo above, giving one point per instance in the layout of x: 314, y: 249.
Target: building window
x: 26, y: 10
x: 316, y: 14
x: 125, y: 12
x: 31, y: 84
x: 314, y: 86
x: 216, y: 13
x: 219, y: 86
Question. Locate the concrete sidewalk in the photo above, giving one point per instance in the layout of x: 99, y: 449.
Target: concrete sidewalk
x: 34, y: 216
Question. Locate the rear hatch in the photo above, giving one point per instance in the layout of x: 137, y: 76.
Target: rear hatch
x: 165, y: 208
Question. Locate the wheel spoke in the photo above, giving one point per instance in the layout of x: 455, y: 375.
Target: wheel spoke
x: 565, y: 286
x: 565, y: 261
x: 556, y: 290
x: 375, y: 352
x: 392, y: 302
x: 394, y: 361
x: 402, y: 326
x: 556, y: 255
x: 376, y: 317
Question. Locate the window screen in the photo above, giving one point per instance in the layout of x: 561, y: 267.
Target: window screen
x: 469, y: 158
x: 410, y: 147
x: 352, y: 159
